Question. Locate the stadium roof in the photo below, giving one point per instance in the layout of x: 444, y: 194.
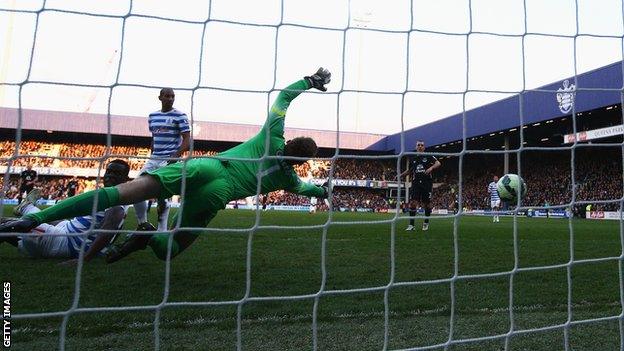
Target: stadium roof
x: 594, y: 89
x: 92, y: 123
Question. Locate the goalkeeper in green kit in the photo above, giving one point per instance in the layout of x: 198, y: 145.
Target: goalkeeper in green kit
x: 210, y: 182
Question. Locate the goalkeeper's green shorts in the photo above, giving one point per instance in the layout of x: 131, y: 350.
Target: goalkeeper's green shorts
x: 206, y: 190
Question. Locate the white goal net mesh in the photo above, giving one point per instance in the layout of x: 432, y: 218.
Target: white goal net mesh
x: 377, y: 70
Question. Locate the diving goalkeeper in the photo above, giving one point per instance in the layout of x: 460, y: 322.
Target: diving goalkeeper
x: 210, y: 182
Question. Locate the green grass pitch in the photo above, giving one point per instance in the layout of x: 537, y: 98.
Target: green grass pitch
x: 288, y: 262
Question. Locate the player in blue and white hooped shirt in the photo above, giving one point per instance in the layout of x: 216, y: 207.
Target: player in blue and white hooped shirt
x: 494, y: 198
x: 170, y: 139
x: 53, y: 241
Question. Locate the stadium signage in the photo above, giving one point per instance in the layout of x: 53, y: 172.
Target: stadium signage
x: 354, y: 209
x: 613, y: 215
x: 529, y: 213
x: 596, y: 215
x: 360, y: 183
x: 547, y: 214
x: 287, y: 207
x: 79, y: 172
x: 271, y: 207
x: 350, y: 182
x: 594, y: 134
x: 565, y: 96
x: 40, y: 202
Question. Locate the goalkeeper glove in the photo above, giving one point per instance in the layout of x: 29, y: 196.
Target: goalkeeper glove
x: 319, y: 79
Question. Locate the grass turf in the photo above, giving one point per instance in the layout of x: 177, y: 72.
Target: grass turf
x: 289, y: 262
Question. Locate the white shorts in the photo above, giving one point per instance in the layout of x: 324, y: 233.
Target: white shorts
x: 54, y: 244
x: 152, y: 165
x: 495, y: 203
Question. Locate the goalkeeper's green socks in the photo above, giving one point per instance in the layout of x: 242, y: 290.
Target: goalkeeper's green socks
x: 79, y: 205
x: 159, y: 244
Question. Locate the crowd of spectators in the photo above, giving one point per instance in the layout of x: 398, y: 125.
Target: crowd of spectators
x: 27, y: 148
x: 345, y: 168
x: 597, y: 176
x: 353, y: 198
x: 600, y: 180
x: 312, y: 169
x: 345, y: 198
x: 52, y: 188
x: 77, y: 155
x: 282, y: 197
x: 81, y: 155
x: 383, y: 169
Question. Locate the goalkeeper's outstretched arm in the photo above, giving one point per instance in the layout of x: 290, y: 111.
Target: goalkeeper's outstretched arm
x: 309, y: 190
x: 277, y: 113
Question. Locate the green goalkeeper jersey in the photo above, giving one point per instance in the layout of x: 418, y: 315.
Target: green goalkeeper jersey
x: 273, y: 174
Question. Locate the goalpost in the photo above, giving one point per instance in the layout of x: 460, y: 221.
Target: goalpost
x: 362, y: 86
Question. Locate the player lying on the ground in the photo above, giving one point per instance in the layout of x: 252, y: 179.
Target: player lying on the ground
x: 209, y: 183
x: 56, y: 243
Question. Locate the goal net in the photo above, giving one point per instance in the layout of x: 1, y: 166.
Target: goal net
x: 345, y: 282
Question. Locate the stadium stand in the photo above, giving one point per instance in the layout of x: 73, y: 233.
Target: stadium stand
x: 76, y: 150
x: 598, y: 175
